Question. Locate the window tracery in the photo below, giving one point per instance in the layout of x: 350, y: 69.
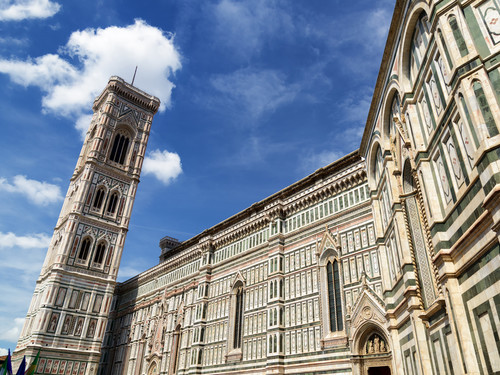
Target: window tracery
x: 120, y: 148
x: 112, y: 203
x: 98, y: 199
x: 99, y: 253
x: 84, y: 249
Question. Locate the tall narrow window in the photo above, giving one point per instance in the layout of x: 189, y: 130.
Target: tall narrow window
x: 119, y: 149
x: 395, y: 115
x: 485, y: 109
x: 469, y: 120
x: 84, y: 249
x: 457, y: 34
x: 99, y: 196
x: 113, y: 200
x: 334, y: 298
x: 176, y: 344
x: 445, y: 49
x: 378, y: 167
x: 418, y: 46
x: 238, y: 318
x: 99, y: 253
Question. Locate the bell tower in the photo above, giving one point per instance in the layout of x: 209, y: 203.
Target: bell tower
x: 69, y: 310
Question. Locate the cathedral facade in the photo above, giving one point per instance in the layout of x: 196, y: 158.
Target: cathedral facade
x: 386, y: 261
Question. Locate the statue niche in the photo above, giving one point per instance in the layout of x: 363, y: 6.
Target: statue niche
x: 376, y: 345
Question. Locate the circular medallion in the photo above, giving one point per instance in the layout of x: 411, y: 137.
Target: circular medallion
x: 366, y: 312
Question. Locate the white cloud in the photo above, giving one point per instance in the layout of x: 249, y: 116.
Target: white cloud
x: 40, y: 193
x: 12, y: 331
x: 244, y: 26
x: 355, y: 109
x: 44, y: 71
x: 18, y: 10
x: 82, y: 124
x: 72, y: 78
x: 3, y: 351
x: 37, y: 240
x: 127, y: 272
x: 14, y: 41
x: 164, y: 165
x: 256, y: 92
x: 312, y: 162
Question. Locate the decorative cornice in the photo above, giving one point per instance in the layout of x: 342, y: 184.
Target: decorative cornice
x: 118, y: 86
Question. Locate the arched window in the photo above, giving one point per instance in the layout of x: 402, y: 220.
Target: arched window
x: 469, y: 120
x: 378, y: 167
x: 99, y: 197
x: 99, y: 253
x: 113, y: 200
x: 238, y: 317
x: 175, y: 351
x: 395, y: 114
x: 334, y: 299
x: 485, y: 109
x: 418, y: 46
x: 119, y: 149
x: 445, y: 48
x: 84, y: 249
x: 457, y: 34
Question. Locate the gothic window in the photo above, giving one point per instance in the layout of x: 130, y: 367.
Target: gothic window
x: 98, y: 199
x: 113, y: 200
x: 418, y: 46
x: 445, y: 48
x: 84, y: 249
x: 238, y: 317
x: 457, y: 34
x: 175, y: 351
x: 378, y: 167
x: 485, y: 108
x: 119, y: 149
x: 99, y: 253
x: 469, y: 120
x: 395, y: 114
x: 334, y: 299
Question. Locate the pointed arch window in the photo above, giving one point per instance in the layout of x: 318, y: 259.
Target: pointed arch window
x: 84, y: 249
x: 334, y: 298
x: 395, y: 114
x: 418, y: 46
x: 119, y: 149
x: 457, y: 34
x: 378, y: 167
x: 113, y: 201
x: 99, y: 253
x: 98, y: 199
x: 238, y: 318
x: 445, y: 48
x: 485, y: 108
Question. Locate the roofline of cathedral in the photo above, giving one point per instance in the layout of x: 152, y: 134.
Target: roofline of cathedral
x: 205, y: 236
x: 343, y: 162
x: 132, y: 93
x: 382, y: 74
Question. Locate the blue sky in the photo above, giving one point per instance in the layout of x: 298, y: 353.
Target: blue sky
x: 255, y: 95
